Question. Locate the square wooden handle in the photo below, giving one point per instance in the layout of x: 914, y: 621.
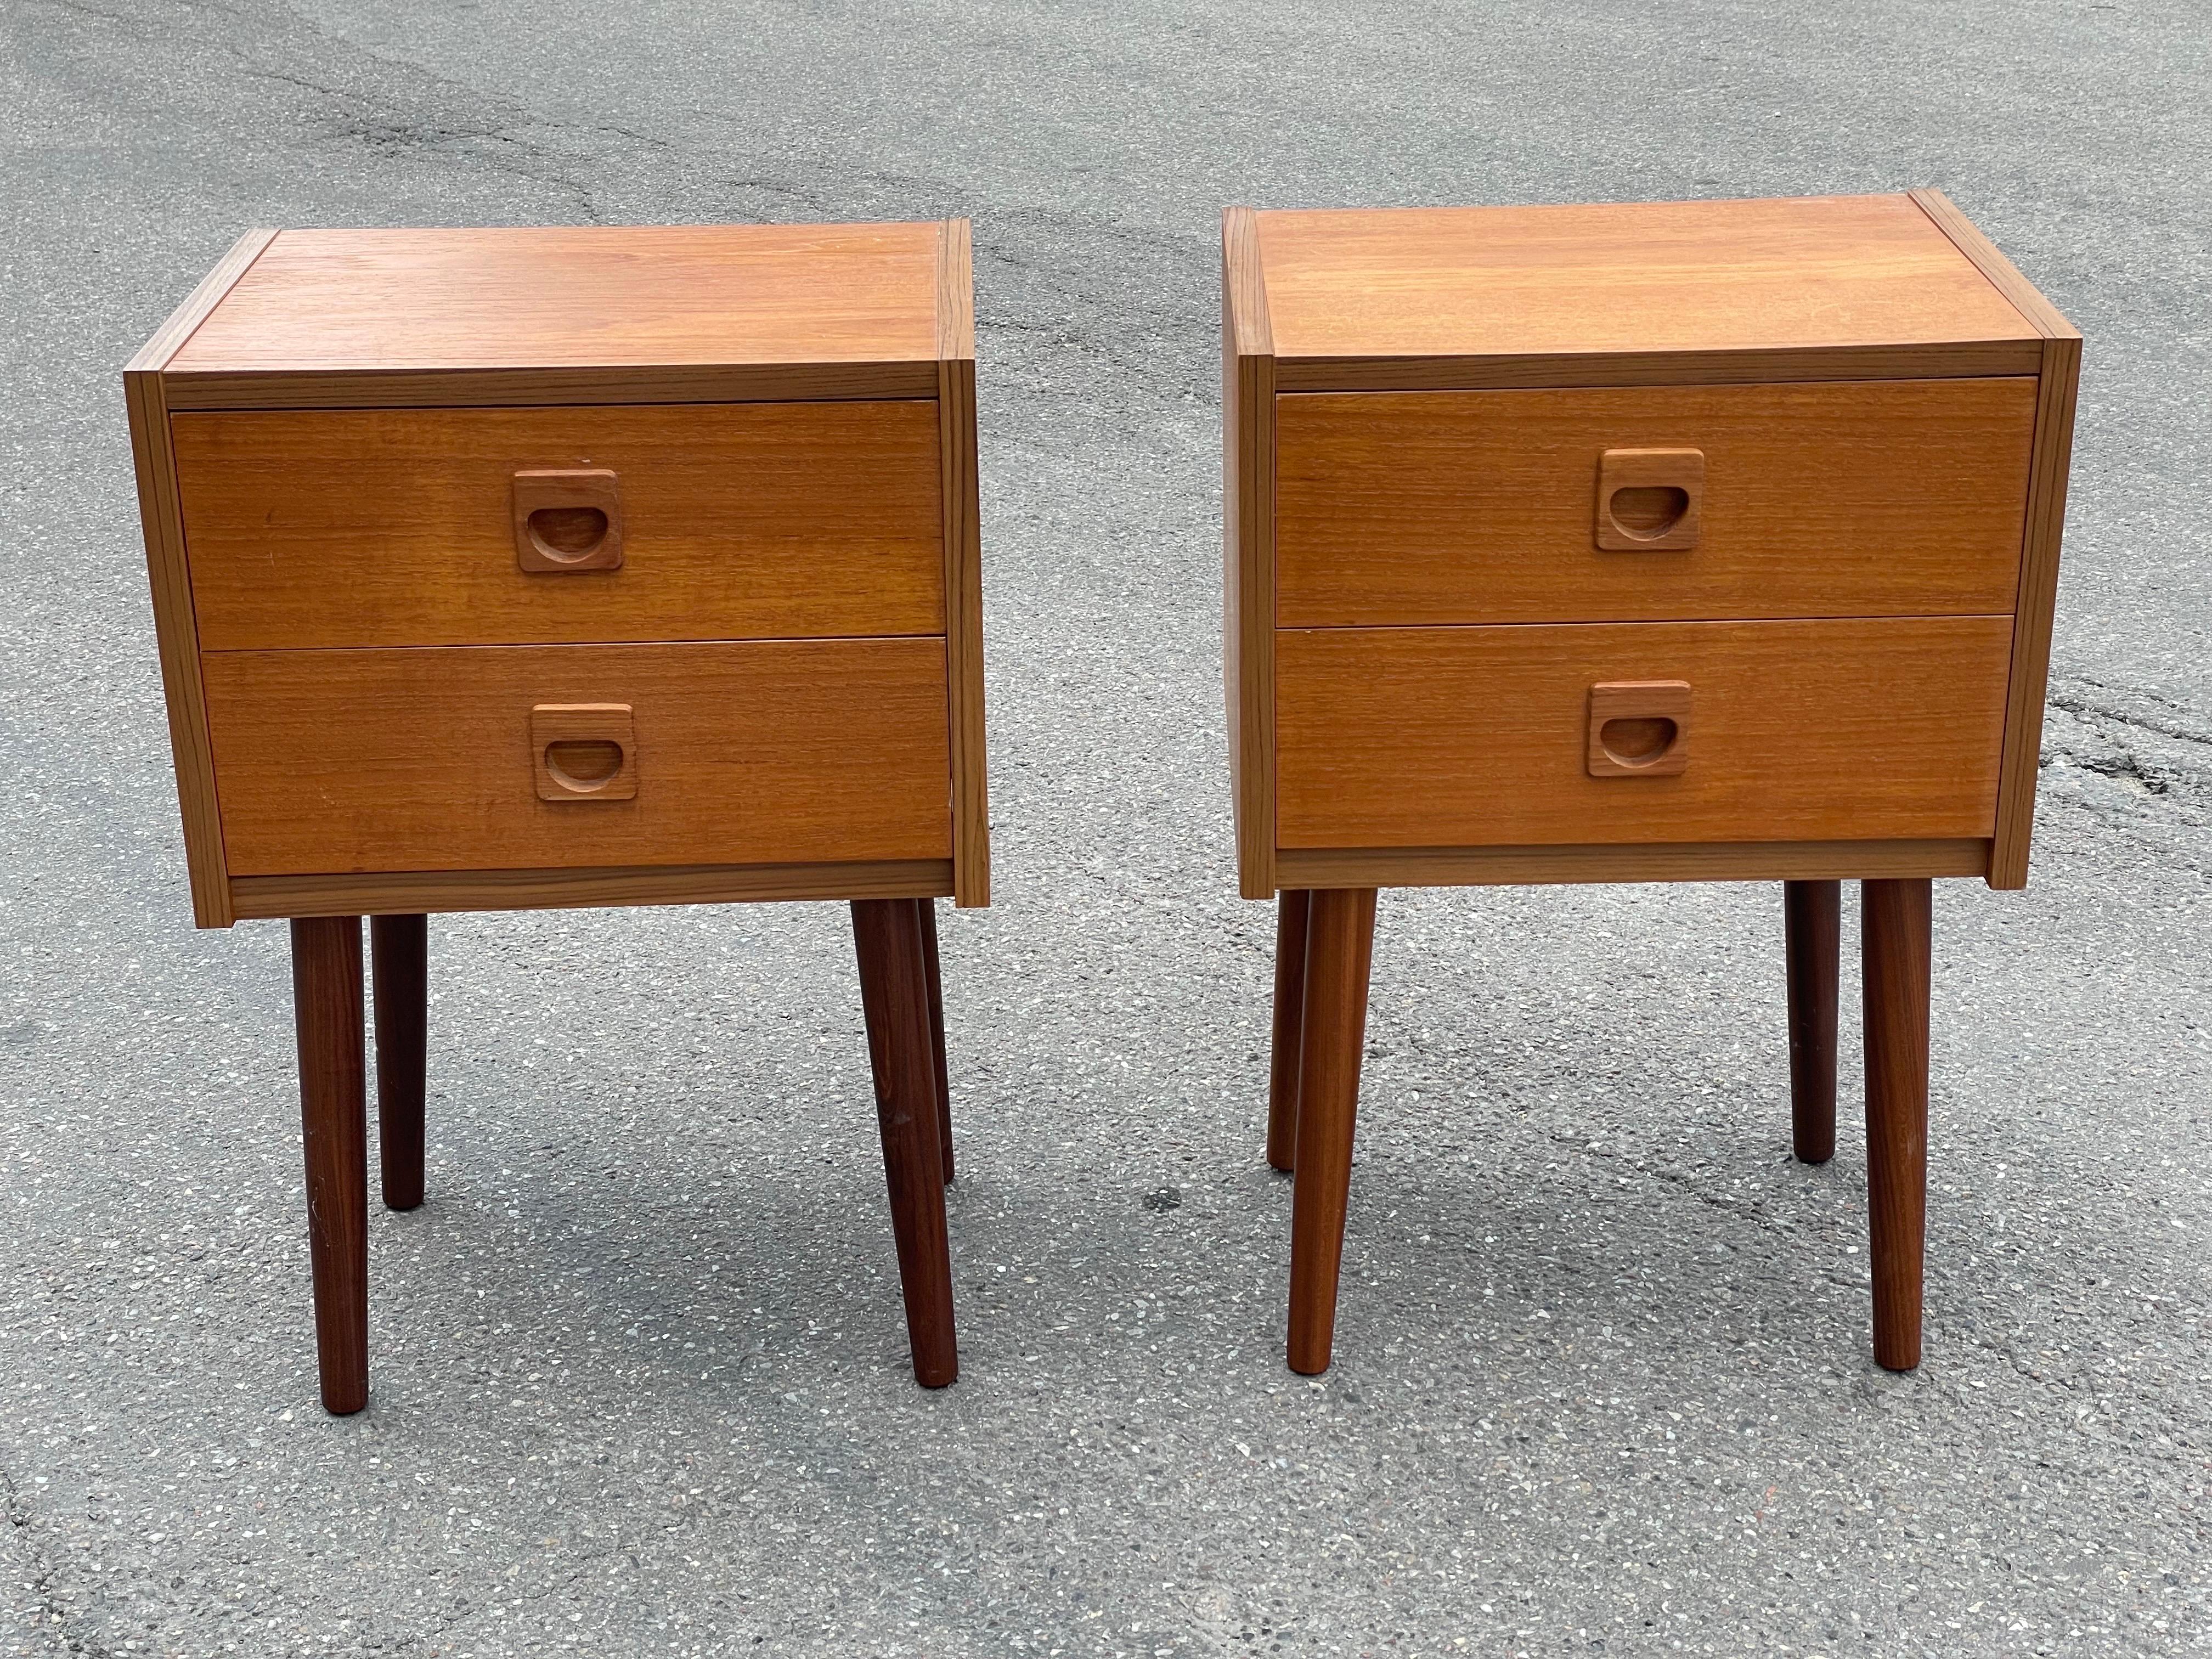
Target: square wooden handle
x: 584, y: 751
x: 1639, y: 728
x: 1648, y: 500
x: 568, y: 520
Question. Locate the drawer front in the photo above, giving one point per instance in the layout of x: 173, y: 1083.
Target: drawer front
x: 1855, y: 729
x: 1850, y: 498
x: 396, y: 527
x: 749, y: 753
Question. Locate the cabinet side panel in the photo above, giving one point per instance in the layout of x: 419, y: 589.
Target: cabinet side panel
x: 963, y: 564
x: 1248, y: 430
x: 168, y: 577
x: 963, y: 634
x: 2038, y: 594
x: 177, y: 633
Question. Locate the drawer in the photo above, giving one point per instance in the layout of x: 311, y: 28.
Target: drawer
x: 1848, y: 498
x: 1856, y: 730
x: 375, y: 527
x: 743, y: 753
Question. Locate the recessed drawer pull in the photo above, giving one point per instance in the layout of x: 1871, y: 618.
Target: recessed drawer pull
x: 1639, y: 728
x: 568, y: 520
x: 584, y: 751
x: 1648, y: 498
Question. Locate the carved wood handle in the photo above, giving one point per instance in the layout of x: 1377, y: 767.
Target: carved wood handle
x: 1639, y: 728
x: 584, y: 751
x: 568, y: 520
x: 1648, y: 500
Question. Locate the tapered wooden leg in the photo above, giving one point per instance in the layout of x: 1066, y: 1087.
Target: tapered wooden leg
x: 1812, y: 916
x: 1895, y: 951
x: 334, y: 1119
x: 889, y: 937
x: 1339, y: 945
x: 399, y: 952
x: 1293, y: 909
x: 928, y: 908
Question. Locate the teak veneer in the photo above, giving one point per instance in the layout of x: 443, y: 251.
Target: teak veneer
x: 1657, y: 542
x: 499, y: 569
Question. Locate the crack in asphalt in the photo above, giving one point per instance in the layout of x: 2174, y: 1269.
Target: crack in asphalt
x: 2154, y: 751
x: 53, y: 1612
x: 421, y: 114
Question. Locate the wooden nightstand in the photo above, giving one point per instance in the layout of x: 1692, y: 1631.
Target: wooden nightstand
x: 1681, y: 541
x: 499, y: 569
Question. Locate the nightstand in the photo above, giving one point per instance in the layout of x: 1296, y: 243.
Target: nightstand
x: 1682, y: 541
x: 537, y: 569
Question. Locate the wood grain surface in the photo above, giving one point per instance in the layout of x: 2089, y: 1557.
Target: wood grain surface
x: 569, y: 297
x: 2037, y: 616
x: 1973, y: 360
x: 758, y: 752
x: 344, y: 527
x: 436, y: 890
x: 2060, y: 371
x: 1869, y: 272
x: 1568, y: 862
x: 1857, y: 498
x: 168, y: 576
x: 1845, y: 730
x: 961, y: 497
x: 1248, y: 582
x: 487, y: 388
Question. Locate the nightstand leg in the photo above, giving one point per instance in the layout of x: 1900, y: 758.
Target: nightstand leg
x: 888, y: 938
x: 399, y: 951
x: 1812, y: 916
x: 1894, y: 916
x: 334, y: 1120
x: 928, y: 908
x: 1339, y: 945
x: 1292, y: 908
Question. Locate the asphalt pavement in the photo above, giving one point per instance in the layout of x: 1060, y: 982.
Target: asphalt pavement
x: 639, y: 1387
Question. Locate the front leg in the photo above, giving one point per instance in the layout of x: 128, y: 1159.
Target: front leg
x: 326, y: 991
x: 1339, y: 945
x: 887, y: 935
x: 1896, y: 951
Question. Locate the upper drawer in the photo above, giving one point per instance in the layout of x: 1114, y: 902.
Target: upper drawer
x: 1849, y: 498
x: 749, y: 752
x: 363, y: 527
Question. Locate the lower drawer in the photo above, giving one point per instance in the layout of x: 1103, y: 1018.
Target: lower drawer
x: 755, y: 752
x: 1852, y: 730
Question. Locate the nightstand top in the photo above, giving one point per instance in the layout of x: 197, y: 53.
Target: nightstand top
x: 1806, y: 275
x: 867, y: 310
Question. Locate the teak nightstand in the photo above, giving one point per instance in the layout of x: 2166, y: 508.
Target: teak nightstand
x: 1695, y: 541
x: 533, y: 569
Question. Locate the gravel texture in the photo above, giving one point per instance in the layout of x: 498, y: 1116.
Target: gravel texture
x: 639, y: 1379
